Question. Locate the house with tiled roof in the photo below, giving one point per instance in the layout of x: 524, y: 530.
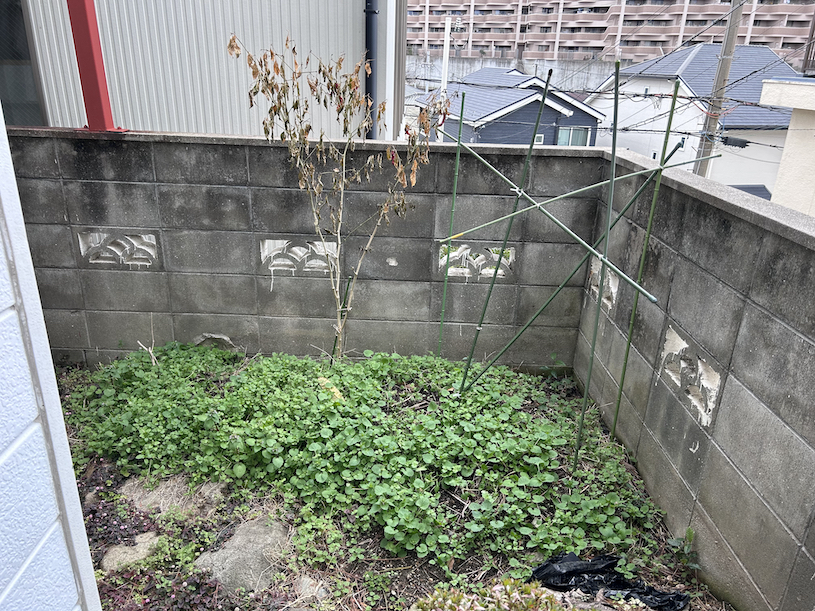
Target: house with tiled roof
x: 501, y: 105
x: 750, y: 136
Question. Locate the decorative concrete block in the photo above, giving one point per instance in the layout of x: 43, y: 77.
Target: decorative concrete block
x: 475, y: 210
x: 42, y: 200
x: 295, y: 296
x: 465, y: 303
x: 16, y: 395
x: 777, y: 365
x: 112, y: 203
x: 204, y: 207
x: 563, y: 311
x: 474, y: 262
x: 777, y: 462
x: 680, y: 435
x: 34, y: 157
x: 724, y: 571
x: 707, y: 306
x: 66, y: 328
x: 60, y: 289
x: 748, y: 525
x: 214, y: 252
x: 29, y: 503
x: 550, y: 264
x: 124, y: 330
x: 106, y: 159
x: 785, y: 270
x: 381, y: 300
x: 282, y: 211
x: 191, y: 163
x: 51, y: 246
x: 241, y: 330
x: 211, y: 293
x: 108, y: 248
x: 297, y: 256
x: 390, y: 258
x: 125, y: 291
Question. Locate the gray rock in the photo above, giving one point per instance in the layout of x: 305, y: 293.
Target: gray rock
x: 247, y: 559
x: 309, y: 589
x: 120, y: 555
x: 174, y: 493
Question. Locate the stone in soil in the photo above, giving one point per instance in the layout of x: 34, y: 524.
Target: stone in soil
x: 174, y: 493
x: 120, y: 555
x: 247, y: 559
x: 309, y: 589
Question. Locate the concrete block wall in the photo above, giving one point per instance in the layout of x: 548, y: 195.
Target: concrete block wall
x: 45, y: 559
x: 150, y: 238
x: 718, y: 404
x: 145, y: 238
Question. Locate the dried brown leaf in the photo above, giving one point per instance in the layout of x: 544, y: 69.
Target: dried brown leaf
x: 233, y: 47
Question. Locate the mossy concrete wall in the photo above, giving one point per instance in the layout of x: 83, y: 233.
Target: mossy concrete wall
x: 718, y: 407
x: 150, y: 238
x: 141, y: 238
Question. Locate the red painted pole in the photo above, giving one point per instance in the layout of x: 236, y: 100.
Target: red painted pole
x: 91, y: 67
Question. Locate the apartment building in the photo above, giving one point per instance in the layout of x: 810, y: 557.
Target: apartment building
x: 635, y: 30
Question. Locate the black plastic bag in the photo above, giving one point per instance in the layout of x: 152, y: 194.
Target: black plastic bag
x: 568, y: 572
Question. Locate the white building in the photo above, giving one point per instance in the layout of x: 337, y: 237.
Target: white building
x: 795, y: 186
x: 645, y: 96
x: 167, y: 66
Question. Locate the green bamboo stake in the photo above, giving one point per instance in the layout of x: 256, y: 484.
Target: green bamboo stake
x: 642, y: 259
x: 539, y: 205
x: 524, y: 175
x: 452, y: 214
x: 602, y: 268
x: 566, y: 281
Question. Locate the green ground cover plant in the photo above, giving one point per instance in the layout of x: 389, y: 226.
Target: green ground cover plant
x: 383, y: 445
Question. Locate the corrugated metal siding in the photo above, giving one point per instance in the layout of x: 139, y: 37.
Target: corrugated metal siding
x: 168, y: 68
x: 54, y: 47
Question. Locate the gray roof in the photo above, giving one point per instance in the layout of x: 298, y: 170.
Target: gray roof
x: 496, y: 77
x: 489, y: 91
x: 696, y: 66
x: 481, y: 101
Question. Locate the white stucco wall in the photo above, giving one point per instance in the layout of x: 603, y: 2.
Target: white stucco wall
x: 795, y: 187
x: 44, y: 559
x: 754, y: 165
x: 635, y: 110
